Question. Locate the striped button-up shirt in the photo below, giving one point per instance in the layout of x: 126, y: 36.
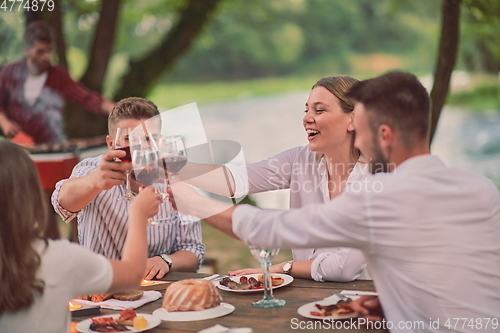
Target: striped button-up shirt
x: 102, y: 224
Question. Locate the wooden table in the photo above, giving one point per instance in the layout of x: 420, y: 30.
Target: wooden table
x: 271, y: 320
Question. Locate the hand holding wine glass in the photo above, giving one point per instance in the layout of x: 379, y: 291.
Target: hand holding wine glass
x: 122, y: 142
x: 264, y: 256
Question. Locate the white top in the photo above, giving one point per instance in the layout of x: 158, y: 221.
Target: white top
x: 430, y: 234
x: 299, y: 170
x: 68, y: 270
x: 33, y: 87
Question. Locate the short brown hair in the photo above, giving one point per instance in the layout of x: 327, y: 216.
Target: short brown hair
x: 339, y: 86
x: 23, y: 218
x: 397, y: 99
x: 132, y: 108
x: 40, y: 31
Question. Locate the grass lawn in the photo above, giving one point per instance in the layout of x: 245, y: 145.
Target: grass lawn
x: 232, y: 254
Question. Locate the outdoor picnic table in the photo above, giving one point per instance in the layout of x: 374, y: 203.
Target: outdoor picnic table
x: 270, y: 320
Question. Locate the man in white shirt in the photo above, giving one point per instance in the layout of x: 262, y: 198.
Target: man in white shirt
x: 430, y: 233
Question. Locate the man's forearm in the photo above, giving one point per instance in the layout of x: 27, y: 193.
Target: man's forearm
x: 188, y: 201
x: 76, y: 193
x: 209, y: 177
x: 9, y: 128
x: 223, y: 221
x: 184, y: 261
x: 3, y: 117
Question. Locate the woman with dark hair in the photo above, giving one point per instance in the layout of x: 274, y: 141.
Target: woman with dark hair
x: 315, y: 173
x: 39, y: 276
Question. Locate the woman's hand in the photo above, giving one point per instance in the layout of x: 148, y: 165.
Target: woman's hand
x: 245, y: 271
x: 184, y: 198
x: 145, y: 203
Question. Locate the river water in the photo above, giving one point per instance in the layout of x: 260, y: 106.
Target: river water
x: 470, y: 140
x: 265, y: 126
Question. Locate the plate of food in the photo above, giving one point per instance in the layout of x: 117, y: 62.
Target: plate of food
x: 130, y: 295
x: 252, y: 282
x: 331, y: 308
x: 125, y: 321
x: 221, y: 310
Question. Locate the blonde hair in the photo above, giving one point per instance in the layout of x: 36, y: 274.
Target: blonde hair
x: 23, y: 215
x: 339, y: 86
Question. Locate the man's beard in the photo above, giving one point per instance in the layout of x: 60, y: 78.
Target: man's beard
x: 378, y: 162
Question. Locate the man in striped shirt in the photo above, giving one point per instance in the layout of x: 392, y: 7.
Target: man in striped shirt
x: 92, y: 191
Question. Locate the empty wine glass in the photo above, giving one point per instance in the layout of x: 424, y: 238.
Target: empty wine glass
x: 122, y: 142
x: 264, y: 256
x: 173, y: 153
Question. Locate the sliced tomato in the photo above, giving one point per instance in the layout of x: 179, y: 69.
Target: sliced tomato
x: 318, y: 314
x: 103, y: 320
x: 128, y: 314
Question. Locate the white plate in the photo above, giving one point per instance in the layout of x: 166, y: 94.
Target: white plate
x: 219, y: 311
x: 305, y: 310
x: 287, y: 280
x: 84, y: 326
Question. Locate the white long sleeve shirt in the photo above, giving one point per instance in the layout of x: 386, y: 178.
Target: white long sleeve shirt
x: 300, y: 170
x: 430, y: 234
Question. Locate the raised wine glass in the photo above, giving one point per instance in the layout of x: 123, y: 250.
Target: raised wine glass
x: 148, y: 171
x: 264, y: 256
x: 173, y: 153
x: 122, y: 142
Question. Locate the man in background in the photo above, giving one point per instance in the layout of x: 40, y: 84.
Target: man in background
x: 33, y: 92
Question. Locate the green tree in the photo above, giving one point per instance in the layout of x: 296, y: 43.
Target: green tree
x: 480, y: 49
x: 281, y: 37
x: 190, y: 18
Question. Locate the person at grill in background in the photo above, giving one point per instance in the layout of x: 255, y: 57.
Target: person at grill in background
x: 40, y: 276
x: 33, y: 92
x: 32, y: 96
x: 315, y: 173
x: 92, y: 193
x: 430, y: 233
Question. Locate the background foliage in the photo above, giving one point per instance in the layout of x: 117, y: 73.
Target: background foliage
x: 271, y: 46
x: 269, y: 38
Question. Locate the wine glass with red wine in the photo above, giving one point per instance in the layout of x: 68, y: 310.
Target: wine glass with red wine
x: 173, y: 154
x: 148, y: 171
x: 122, y: 142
